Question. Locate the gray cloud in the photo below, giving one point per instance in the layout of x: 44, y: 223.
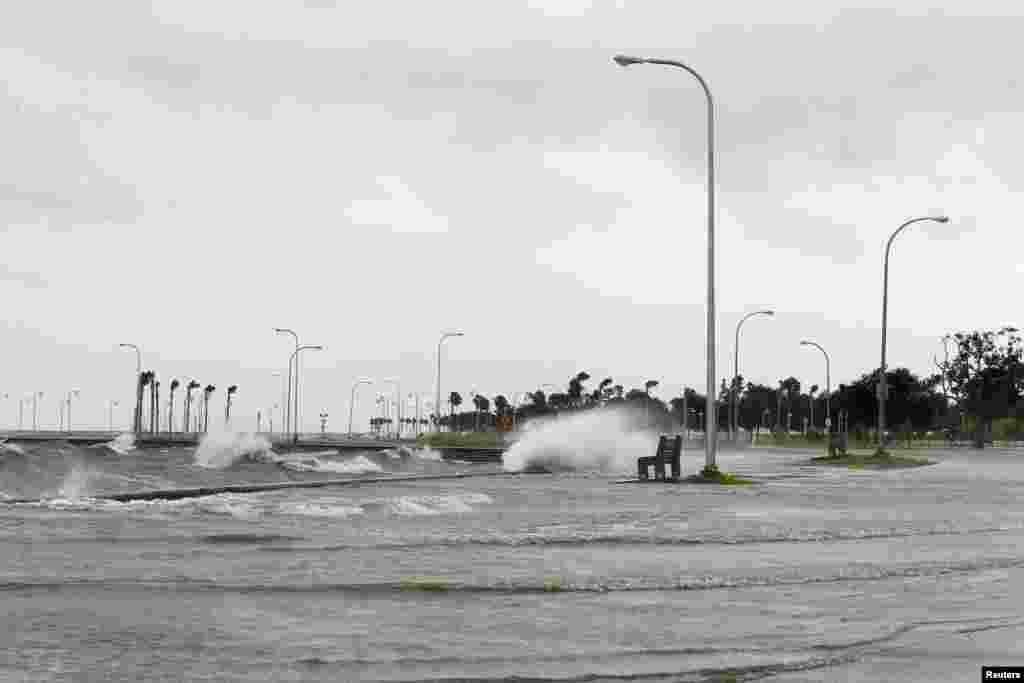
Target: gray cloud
x: 27, y: 279
x: 159, y: 69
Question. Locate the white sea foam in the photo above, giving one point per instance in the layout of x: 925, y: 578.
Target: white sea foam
x: 358, y: 465
x: 7, y: 447
x: 123, y: 444
x: 421, y: 506
x: 596, y: 440
x: 222, y: 449
x: 427, y: 453
x: 231, y: 505
x: 320, y: 509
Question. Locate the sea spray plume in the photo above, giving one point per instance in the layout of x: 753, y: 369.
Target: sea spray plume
x: 75, y: 483
x: 223, y: 448
x: 596, y: 440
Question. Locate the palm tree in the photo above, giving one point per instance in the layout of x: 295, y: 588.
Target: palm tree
x: 207, y: 390
x: 227, y: 408
x: 188, y: 403
x: 813, y: 390
x: 481, y: 403
x: 139, y: 389
x: 501, y: 406
x: 170, y: 414
x: 454, y: 401
x: 145, y: 380
x: 155, y: 412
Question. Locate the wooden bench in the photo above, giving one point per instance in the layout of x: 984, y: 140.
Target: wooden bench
x: 668, y: 453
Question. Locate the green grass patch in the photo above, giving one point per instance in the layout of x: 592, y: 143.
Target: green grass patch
x: 552, y: 584
x: 468, y: 440
x: 712, y: 475
x: 429, y: 584
x: 871, y: 461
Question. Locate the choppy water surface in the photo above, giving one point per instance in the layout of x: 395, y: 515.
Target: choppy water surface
x: 813, y: 574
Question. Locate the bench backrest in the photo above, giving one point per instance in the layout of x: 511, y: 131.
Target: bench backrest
x: 669, y: 449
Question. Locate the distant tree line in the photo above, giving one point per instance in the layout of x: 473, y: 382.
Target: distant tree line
x: 978, y: 385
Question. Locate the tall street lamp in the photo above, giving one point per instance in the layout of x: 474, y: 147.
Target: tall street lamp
x: 352, y: 402
x: 437, y: 402
x: 828, y: 385
x: 138, y: 386
x: 711, y: 430
x: 398, y: 404
x: 111, y: 404
x: 295, y: 358
x: 734, y: 418
x: 282, y: 403
x: 35, y: 404
x: 74, y: 393
x: 882, y: 387
x: 288, y: 417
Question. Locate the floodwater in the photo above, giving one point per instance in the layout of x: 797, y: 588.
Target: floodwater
x: 813, y: 574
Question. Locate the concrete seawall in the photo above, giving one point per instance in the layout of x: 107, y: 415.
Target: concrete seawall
x: 306, y: 442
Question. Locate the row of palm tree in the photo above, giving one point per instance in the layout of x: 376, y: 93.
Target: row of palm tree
x: 198, y: 422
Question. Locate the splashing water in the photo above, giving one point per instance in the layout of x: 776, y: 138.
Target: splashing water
x: 599, y: 440
x: 358, y: 465
x: 222, y: 449
x: 123, y: 444
x: 6, y: 447
x: 75, y: 483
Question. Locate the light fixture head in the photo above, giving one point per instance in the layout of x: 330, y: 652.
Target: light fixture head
x: 941, y: 219
x: 625, y: 60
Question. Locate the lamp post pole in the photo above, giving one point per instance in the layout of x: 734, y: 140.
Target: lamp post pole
x: 35, y: 404
x: 110, y: 413
x: 710, y: 414
x: 828, y: 385
x: 137, y: 427
x: 352, y: 402
x: 295, y: 355
x: 71, y: 394
x: 288, y: 415
x: 882, y: 387
x: 437, y: 403
x: 734, y: 417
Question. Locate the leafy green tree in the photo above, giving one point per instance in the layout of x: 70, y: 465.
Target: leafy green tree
x: 501, y: 404
x: 986, y: 376
x: 756, y: 399
x: 575, y: 392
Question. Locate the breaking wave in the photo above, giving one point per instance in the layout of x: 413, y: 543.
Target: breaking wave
x: 222, y: 449
x: 8, y: 448
x: 358, y: 465
x: 123, y: 444
x: 600, y: 440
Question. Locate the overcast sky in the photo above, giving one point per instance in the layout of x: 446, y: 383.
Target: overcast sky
x: 186, y: 176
